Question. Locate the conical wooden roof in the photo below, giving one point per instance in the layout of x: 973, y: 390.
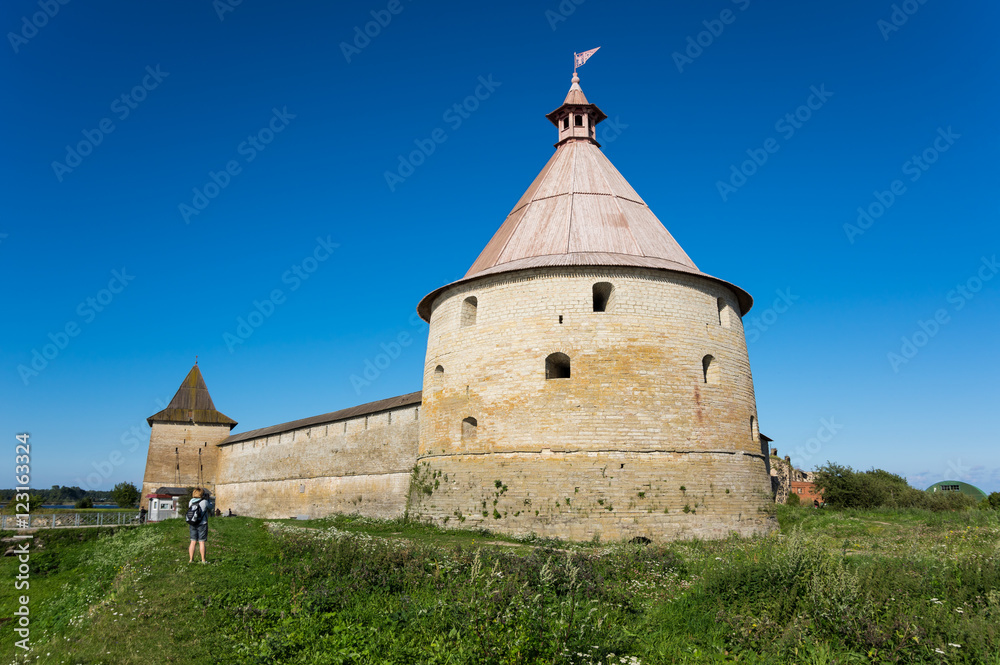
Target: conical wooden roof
x: 580, y: 205
x: 192, y: 404
x: 580, y: 211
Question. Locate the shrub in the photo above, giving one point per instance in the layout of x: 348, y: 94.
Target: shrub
x: 843, y: 487
x: 793, y: 499
x: 85, y: 502
x: 125, y: 494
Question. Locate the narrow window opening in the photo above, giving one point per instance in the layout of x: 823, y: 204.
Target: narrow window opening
x: 724, y: 319
x: 602, y: 296
x: 579, y: 121
x: 366, y: 422
x: 622, y: 466
x: 710, y: 369
x: 469, y: 308
x: 754, y: 433
x: 560, y: 318
x: 557, y: 366
x: 469, y: 427
x: 566, y: 122
x: 390, y: 418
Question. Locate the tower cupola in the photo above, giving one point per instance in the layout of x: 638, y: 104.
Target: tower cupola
x: 577, y: 118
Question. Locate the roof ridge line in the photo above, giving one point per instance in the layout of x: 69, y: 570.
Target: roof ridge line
x: 628, y: 225
x: 572, y: 188
x: 540, y: 177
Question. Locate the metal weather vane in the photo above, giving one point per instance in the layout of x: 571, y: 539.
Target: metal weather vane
x: 580, y: 58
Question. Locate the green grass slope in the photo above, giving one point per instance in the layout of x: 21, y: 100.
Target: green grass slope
x: 902, y: 586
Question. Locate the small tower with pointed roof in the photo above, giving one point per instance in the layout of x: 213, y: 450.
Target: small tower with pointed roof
x: 585, y: 378
x: 183, y: 437
x: 577, y: 118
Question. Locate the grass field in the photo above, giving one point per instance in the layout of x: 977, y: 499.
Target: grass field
x: 902, y: 586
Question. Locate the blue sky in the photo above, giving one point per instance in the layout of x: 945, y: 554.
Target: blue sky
x: 278, y: 137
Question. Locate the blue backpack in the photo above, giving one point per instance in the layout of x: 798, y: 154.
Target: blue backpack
x: 195, y: 514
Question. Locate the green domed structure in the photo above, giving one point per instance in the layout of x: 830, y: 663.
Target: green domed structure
x: 958, y: 486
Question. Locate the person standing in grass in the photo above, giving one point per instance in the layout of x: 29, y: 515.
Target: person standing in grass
x: 197, y: 519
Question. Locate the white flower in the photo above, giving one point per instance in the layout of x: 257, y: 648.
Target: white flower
x: 957, y: 646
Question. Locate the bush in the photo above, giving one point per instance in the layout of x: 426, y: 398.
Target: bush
x: 793, y: 499
x: 843, y: 487
x: 126, y: 495
x: 992, y: 502
x: 85, y: 502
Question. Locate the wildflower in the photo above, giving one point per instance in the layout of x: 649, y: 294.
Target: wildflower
x: 957, y: 646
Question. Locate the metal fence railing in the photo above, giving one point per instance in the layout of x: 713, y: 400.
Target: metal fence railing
x: 67, y: 520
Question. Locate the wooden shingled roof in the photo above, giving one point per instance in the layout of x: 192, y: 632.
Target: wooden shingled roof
x: 580, y: 211
x: 192, y: 404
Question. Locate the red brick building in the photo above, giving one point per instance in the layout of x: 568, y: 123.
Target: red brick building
x: 807, y: 491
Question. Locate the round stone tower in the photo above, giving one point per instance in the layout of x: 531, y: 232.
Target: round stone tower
x: 585, y: 379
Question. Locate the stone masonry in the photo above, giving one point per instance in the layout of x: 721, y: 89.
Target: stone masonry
x: 182, y: 455
x: 583, y: 380
x: 607, y: 451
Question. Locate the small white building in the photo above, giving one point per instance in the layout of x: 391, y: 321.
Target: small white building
x: 163, y: 503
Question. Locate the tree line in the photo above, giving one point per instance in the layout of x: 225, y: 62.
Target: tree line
x: 124, y: 494
x: 843, y: 487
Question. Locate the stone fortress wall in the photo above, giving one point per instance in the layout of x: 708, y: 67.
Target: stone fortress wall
x: 356, y: 461
x: 653, y: 434
x: 182, y: 455
x: 584, y: 379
